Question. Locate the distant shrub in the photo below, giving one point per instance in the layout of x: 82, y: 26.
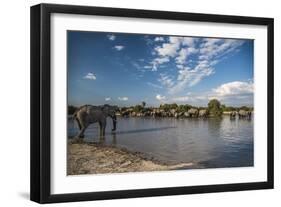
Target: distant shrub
x: 214, y: 107
x: 168, y: 107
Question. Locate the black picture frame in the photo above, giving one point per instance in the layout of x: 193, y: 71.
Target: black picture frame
x: 41, y: 99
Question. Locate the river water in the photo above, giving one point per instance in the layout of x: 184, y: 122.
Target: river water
x: 209, y: 143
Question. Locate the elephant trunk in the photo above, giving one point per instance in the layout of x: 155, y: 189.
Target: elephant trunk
x: 114, y: 121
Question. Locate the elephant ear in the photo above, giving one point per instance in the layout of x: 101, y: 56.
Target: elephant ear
x: 105, y: 108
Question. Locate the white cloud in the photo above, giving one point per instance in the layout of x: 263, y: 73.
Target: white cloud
x: 236, y: 93
x: 215, y: 48
x: 169, y: 49
x: 119, y: 47
x: 184, y: 53
x: 191, y: 98
x: 154, y: 85
x: 90, y: 76
x: 160, y: 98
x: 107, y: 99
x: 136, y: 65
x: 188, y: 77
x: 181, y: 99
x: 111, y: 37
x: 166, y: 80
x: 159, y: 39
x: 166, y: 50
x: 158, y: 61
x: 189, y: 41
x: 236, y: 88
x: 191, y: 71
x: 123, y: 98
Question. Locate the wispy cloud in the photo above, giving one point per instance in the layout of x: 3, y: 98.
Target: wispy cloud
x: 166, y: 80
x: 194, y: 57
x: 175, y: 48
x: 184, y: 53
x: 158, y: 61
x: 188, y: 77
x: 107, y: 99
x: 90, y: 76
x: 119, y: 47
x: 123, y: 98
x: 154, y: 85
x: 111, y: 37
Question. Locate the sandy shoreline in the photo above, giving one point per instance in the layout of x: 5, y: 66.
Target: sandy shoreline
x: 91, y: 158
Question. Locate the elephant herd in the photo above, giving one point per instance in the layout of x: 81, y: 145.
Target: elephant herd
x: 242, y: 114
x: 193, y: 112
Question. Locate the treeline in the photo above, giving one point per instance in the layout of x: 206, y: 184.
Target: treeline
x: 214, y: 108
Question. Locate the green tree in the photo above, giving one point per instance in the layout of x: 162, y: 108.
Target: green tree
x: 229, y: 108
x: 168, y: 107
x: 173, y: 106
x: 137, y: 108
x: 246, y: 108
x: 184, y: 108
x: 214, y: 107
x: 143, y: 104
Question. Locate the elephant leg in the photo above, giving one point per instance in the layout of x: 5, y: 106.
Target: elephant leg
x: 114, y: 121
x: 82, y: 124
x: 102, y: 128
x: 100, y: 124
x: 82, y: 130
x: 78, y: 122
x: 81, y: 133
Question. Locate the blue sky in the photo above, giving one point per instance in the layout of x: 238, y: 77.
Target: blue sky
x: 126, y: 69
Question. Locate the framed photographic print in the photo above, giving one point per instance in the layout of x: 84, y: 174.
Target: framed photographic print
x: 132, y: 103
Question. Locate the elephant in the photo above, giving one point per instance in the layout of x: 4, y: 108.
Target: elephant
x: 203, y: 113
x: 244, y: 114
x: 193, y: 112
x: 125, y: 113
x: 232, y: 114
x: 88, y: 114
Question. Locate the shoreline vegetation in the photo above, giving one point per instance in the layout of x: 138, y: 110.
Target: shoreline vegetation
x: 93, y: 158
x: 214, y: 109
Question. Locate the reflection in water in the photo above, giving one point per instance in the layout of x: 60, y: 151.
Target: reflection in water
x: 211, y: 142
x: 142, y: 130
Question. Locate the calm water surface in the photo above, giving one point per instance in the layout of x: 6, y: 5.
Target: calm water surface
x: 208, y: 142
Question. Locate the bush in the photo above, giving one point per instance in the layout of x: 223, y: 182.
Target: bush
x: 168, y: 107
x: 138, y: 108
x: 214, y: 107
x: 246, y: 108
x: 184, y: 108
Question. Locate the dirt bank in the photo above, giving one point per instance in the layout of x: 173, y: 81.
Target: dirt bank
x: 88, y: 158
